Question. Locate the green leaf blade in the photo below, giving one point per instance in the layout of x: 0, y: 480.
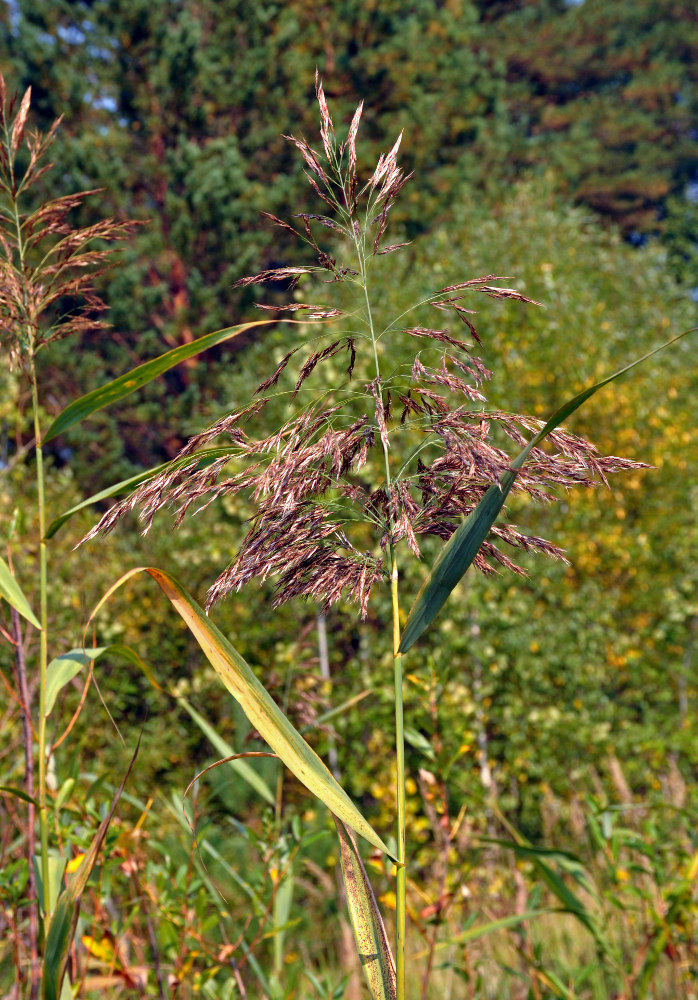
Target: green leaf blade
x: 247, y: 773
x: 14, y: 595
x: 453, y: 561
x: 64, y: 919
x: 458, y: 553
x: 258, y: 705
x: 64, y: 668
x: 123, y: 386
x: 204, y: 458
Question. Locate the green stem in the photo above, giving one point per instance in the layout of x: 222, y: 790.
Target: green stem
x: 43, y: 654
x: 43, y: 572
x: 401, y: 877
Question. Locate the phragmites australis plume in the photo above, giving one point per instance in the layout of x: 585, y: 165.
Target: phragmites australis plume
x: 311, y: 504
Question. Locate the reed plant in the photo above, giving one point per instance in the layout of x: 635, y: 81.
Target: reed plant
x: 48, y: 269
x: 358, y: 474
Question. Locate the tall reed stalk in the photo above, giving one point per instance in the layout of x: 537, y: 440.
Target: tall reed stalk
x: 47, y: 270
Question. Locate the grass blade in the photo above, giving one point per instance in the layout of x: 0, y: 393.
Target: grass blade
x: 19, y: 793
x: 453, y: 561
x: 281, y: 913
x: 573, y: 404
x: 457, y: 555
x: 62, y: 670
x: 258, y: 705
x: 482, y: 930
x: 13, y: 594
x: 366, y: 921
x: 682, y: 902
x: 113, y: 391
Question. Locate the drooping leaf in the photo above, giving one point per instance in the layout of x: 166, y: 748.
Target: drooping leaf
x: 61, y: 671
x: 257, y: 704
x: 13, y: 594
x: 540, y: 859
x: 366, y: 921
x: 65, y: 916
x: 458, y: 553
x: 120, y: 387
x: 203, y: 458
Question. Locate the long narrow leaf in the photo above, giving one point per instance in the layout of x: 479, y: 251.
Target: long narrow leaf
x: 258, y: 705
x: 682, y: 902
x: 571, y: 903
x: 202, y: 458
x: 13, y: 594
x: 113, y: 391
x: 19, y: 794
x: 366, y: 921
x: 482, y: 930
x: 453, y: 561
x: 65, y: 916
x: 573, y: 404
x: 462, y: 547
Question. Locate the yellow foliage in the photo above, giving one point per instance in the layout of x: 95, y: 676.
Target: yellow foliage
x: 74, y: 864
x: 102, y: 949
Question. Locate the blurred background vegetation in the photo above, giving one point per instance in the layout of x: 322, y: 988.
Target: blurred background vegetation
x: 554, y: 141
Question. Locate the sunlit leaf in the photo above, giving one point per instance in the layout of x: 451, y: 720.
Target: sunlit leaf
x: 120, y: 387
x: 62, y: 670
x: 257, y: 704
x: 12, y: 592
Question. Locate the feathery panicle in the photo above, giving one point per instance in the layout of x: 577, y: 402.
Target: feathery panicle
x: 314, y: 312
x: 291, y: 274
x: 312, y: 510
x: 44, y: 259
